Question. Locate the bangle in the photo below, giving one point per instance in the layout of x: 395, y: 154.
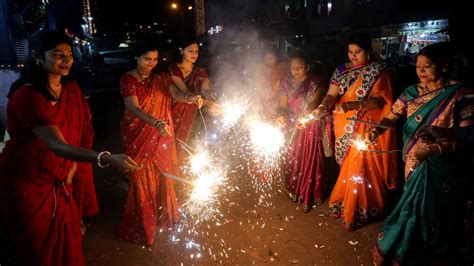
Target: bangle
x: 99, y: 156
x: 186, y: 98
x: 322, y: 105
x: 158, y: 122
x: 440, y: 149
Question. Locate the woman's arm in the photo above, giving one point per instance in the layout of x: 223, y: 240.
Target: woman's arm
x: 388, y: 121
x: 179, y: 83
x: 328, y: 101
x: 132, y: 105
x: 54, y: 139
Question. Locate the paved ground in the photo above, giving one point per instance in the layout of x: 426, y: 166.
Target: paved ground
x: 248, y: 233
x: 276, y: 232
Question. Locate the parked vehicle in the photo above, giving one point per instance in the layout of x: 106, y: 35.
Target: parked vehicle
x: 116, y: 58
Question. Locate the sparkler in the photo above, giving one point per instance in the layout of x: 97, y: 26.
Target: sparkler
x: 232, y: 113
x: 360, y: 143
x: 368, y: 123
x: 310, y: 118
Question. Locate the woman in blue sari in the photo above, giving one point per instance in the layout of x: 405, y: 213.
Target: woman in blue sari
x: 424, y: 227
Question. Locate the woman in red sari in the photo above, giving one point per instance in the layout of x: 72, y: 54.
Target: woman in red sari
x: 45, y: 183
x: 360, y: 90
x: 190, y: 80
x: 148, y: 136
x: 300, y: 94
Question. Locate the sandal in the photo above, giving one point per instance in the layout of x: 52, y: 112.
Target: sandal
x: 83, y: 228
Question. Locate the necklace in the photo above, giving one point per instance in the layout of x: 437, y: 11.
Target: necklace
x: 295, y: 85
x: 186, y: 71
x: 54, y: 90
x: 142, y: 76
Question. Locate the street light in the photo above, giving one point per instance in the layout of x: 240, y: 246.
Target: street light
x: 190, y: 7
x: 174, y: 6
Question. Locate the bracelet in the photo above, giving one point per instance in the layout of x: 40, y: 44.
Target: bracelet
x: 322, y: 105
x: 99, y: 156
x: 158, y: 122
x: 440, y: 149
x: 186, y: 98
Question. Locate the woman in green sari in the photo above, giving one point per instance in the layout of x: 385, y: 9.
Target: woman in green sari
x: 424, y: 227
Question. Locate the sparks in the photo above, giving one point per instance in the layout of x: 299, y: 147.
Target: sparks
x: 360, y: 143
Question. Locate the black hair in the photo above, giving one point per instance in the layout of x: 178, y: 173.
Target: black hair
x: 187, y: 41
x: 143, y: 46
x: 299, y: 56
x: 40, y: 42
x: 362, y: 40
x: 442, y: 55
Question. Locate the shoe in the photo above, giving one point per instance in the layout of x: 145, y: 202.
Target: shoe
x: 306, y: 208
x: 83, y: 228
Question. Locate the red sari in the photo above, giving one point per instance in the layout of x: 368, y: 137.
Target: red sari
x: 183, y: 113
x: 42, y: 211
x: 151, y: 200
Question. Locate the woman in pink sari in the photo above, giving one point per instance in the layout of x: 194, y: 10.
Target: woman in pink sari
x: 299, y: 94
x: 46, y: 186
x: 148, y: 136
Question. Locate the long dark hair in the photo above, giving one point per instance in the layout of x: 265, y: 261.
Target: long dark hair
x: 40, y: 42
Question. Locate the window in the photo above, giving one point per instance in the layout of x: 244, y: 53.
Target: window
x: 323, y: 8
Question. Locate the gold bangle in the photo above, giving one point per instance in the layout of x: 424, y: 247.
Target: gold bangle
x: 322, y: 105
x: 99, y: 156
x: 158, y: 122
x: 440, y: 149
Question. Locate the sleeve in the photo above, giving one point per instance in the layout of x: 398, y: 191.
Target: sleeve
x: 175, y: 71
x: 336, y: 80
x: 128, y: 86
x: 284, y: 88
x: 400, y: 106
x: 32, y: 108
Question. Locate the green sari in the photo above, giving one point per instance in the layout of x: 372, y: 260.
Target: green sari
x: 424, y: 226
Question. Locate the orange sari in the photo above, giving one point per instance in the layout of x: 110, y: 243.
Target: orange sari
x: 359, y: 193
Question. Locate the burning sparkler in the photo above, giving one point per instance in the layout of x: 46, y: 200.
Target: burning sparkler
x: 232, y: 113
x: 305, y: 120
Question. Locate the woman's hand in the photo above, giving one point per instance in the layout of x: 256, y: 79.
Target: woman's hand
x: 319, y: 111
x: 372, y: 135
x: 432, y: 150
x: 215, y: 109
x: 163, y: 129
x: 196, y: 99
x: 281, y: 121
x: 121, y: 162
x: 431, y: 134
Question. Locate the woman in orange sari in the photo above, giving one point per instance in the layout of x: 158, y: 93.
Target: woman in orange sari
x: 148, y: 136
x: 360, y: 90
x: 46, y: 186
